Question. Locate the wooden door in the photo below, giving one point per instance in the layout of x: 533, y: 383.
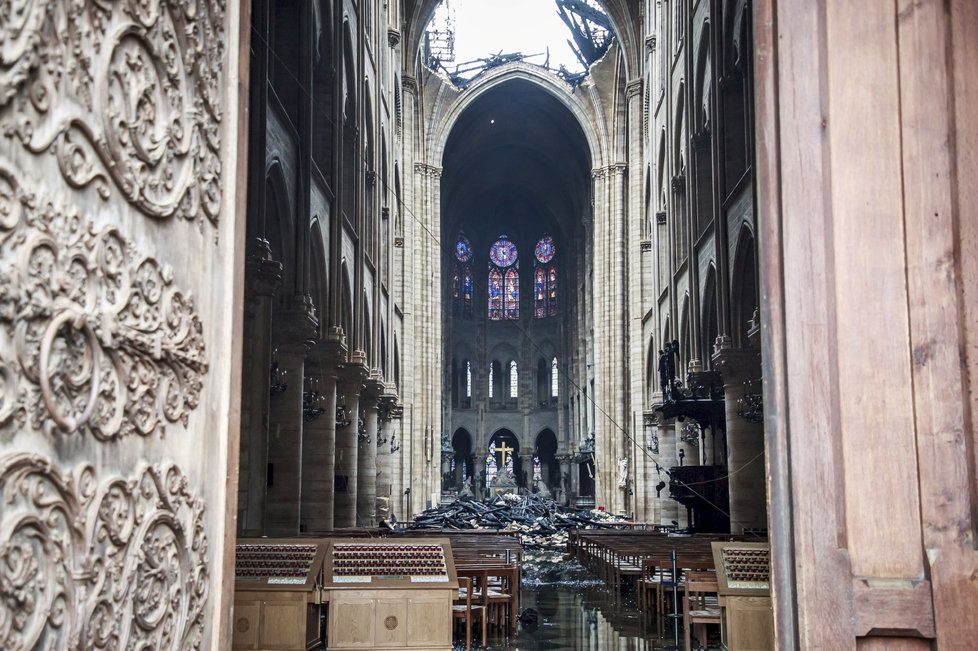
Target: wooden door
x: 120, y: 244
x: 867, y: 163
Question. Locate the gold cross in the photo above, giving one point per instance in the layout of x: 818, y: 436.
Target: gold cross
x: 503, y: 448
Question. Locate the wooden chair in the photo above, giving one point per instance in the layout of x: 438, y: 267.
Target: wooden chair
x: 700, y: 606
x: 463, y: 608
x: 502, y: 597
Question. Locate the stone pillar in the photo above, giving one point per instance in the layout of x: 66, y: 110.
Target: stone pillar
x: 367, y: 453
x: 526, y: 463
x: 385, y: 500
x: 319, y: 437
x: 669, y: 508
x: 295, y: 328
x: 263, y: 277
x: 745, y: 442
x: 564, y: 488
x: 351, y: 384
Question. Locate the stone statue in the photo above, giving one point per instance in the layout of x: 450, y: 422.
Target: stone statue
x: 663, y: 371
x: 504, y: 478
x: 467, y: 488
x: 671, y: 350
x: 623, y: 472
x: 542, y: 489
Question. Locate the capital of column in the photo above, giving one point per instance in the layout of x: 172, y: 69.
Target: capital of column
x: 353, y: 373
x: 615, y: 169
x: 409, y: 84
x: 295, y: 328
x: 263, y: 274
x: 633, y: 88
x: 737, y: 364
x: 427, y: 170
x: 650, y: 43
x: 329, y: 353
x: 393, y: 37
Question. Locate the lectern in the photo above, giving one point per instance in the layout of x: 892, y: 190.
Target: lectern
x: 744, y: 588
x: 277, y: 594
x: 392, y: 593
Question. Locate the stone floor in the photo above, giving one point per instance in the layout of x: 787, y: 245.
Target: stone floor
x: 576, y: 611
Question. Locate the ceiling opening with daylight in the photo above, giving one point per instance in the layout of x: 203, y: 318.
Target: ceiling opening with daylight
x: 467, y: 37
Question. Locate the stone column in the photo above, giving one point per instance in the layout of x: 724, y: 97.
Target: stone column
x: 367, y: 453
x: 319, y: 436
x: 479, y: 476
x: 526, y: 462
x: 564, y: 461
x: 263, y: 277
x: 385, y: 459
x: 669, y: 508
x: 295, y: 328
x: 351, y: 384
x: 745, y: 442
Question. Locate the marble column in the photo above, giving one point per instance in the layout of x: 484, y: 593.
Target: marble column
x: 263, y: 277
x: 367, y: 453
x: 296, y: 328
x: 319, y: 437
x: 745, y: 442
x: 351, y: 384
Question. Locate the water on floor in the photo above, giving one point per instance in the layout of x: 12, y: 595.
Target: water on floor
x: 576, y: 611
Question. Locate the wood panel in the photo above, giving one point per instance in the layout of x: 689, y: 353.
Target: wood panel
x: 120, y: 258
x: 866, y: 121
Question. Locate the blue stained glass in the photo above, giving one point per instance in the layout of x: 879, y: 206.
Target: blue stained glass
x: 503, y: 252
x: 495, y: 295
x: 545, y: 249
x: 463, y: 249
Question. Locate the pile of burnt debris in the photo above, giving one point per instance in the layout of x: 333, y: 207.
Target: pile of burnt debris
x: 541, y: 522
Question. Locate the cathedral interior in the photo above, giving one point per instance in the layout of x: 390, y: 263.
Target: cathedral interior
x: 507, y: 324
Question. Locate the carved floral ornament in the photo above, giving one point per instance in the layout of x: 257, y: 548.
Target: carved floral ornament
x: 94, y: 338
x: 89, y: 562
x: 122, y: 92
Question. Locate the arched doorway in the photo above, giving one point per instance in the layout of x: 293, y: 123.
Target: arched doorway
x: 462, y: 462
x: 503, y: 449
x: 546, y: 468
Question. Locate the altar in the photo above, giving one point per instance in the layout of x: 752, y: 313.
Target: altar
x: 504, y: 482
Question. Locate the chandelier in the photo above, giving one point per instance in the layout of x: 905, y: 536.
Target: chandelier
x: 313, y: 401
x: 750, y: 407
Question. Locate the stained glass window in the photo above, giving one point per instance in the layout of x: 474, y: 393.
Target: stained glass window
x: 468, y: 378
x: 504, y: 280
x: 545, y: 278
x: 467, y: 291
x: 463, y: 249
x: 537, y: 469
x: 490, y: 381
x: 491, y: 468
x: 552, y: 289
x: 539, y: 293
x: 512, y: 294
x: 503, y: 252
x: 553, y: 378
x: 545, y: 249
x: 495, y: 294
x: 514, y: 380
x: 462, y: 278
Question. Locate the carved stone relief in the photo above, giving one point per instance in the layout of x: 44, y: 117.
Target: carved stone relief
x: 90, y: 562
x: 93, y: 335
x: 125, y: 93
